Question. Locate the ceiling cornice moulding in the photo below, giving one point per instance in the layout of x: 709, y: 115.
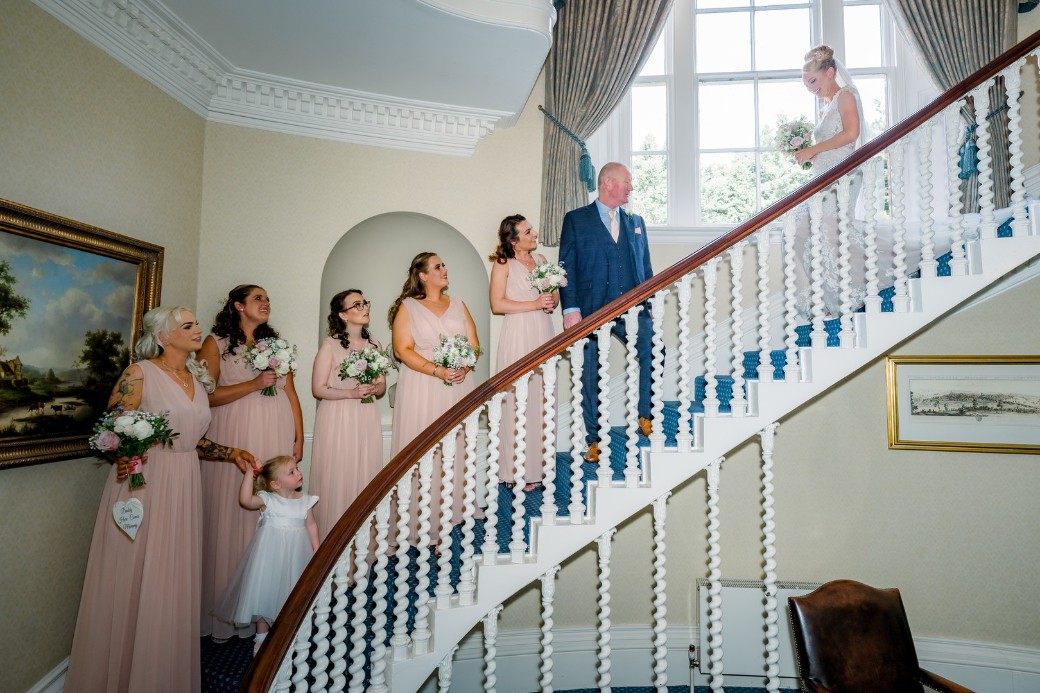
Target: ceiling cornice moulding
x: 536, y: 15
x: 155, y: 44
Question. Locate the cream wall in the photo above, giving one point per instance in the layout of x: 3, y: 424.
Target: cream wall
x: 84, y: 138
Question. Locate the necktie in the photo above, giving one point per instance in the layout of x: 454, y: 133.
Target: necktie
x: 614, y: 230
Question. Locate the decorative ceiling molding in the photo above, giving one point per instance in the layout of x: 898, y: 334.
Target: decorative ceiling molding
x: 155, y: 44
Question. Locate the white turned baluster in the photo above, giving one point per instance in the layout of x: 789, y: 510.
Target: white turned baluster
x: 737, y: 403
x: 576, y: 508
x: 660, y: 586
x: 467, y: 569
x: 603, y: 640
x: 604, y: 473
x: 924, y: 187
x: 711, y: 399
x: 377, y: 682
x: 490, y: 548
x: 898, y: 175
x: 339, y: 625
x: 684, y: 436
x: 765, y: 356
x: 769, y: 561
x: 987, y: 223
x: 715, y: 578
x: 657, y: 369
x: 517, y: 546
x: 444, y: 671
x: 282, y: 680
x: 399, y: 639
x: 818, y: 336
x: 631, y: 318
x: 548, y: 508
x: 491, y: 648
x: 548, y: 595
x: 954, y: 135
x: 845, y: 335
x: 322, y: 609
x: 443, y: 590
x: 1013, y: 88
x: 301, y: 646
x: 421, y: 628
x: 873, y: 171
x: 792, y: 371
x: 359, y: 609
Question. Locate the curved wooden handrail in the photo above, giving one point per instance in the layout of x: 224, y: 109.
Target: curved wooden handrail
x: 262, y: 671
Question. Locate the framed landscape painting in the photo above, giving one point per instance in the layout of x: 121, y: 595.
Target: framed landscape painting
x: 71, y: 301
x: 964, y: 403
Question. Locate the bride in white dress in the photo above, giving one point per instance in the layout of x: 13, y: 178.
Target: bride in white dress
x: 841, y: 129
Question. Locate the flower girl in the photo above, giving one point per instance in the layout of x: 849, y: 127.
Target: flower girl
x: 285, y: 539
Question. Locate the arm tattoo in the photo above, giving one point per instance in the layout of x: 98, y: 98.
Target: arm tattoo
x: 124, y: 388
x: 212, y: 451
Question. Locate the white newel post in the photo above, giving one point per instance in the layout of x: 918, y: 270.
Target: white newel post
x: 548, y: 596
x: 603, y: 641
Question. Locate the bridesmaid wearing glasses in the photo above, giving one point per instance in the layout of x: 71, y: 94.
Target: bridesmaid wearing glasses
x: 348, y: 435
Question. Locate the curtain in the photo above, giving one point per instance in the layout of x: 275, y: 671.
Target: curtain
x: 956, y: 38
x: 598, y: 48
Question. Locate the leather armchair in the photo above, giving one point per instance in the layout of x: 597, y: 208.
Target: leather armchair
x: 853, y: 638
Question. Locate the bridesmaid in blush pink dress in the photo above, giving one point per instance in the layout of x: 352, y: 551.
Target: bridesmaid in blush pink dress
x: 243, y: 417
x: 526, y: 326
x: 419, y: 317
x: 347, y: 451
x: 138, y: 625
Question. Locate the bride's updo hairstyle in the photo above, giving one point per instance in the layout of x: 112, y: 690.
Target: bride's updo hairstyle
x: 819, y: 58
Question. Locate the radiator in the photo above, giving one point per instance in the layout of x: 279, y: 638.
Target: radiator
x: 743, y: 627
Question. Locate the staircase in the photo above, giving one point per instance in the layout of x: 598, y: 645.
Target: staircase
x: 358, y: 620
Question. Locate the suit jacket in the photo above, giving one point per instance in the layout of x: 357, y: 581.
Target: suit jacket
x: 584, y: 246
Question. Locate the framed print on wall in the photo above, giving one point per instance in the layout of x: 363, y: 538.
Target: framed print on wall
x: 964, y: 403
x: 71, y: 301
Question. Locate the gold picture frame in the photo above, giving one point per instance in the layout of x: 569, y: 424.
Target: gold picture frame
x: 964, y: 403
x: 72, y: 297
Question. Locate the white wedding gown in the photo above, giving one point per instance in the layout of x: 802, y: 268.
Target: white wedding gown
x: 830, y: 125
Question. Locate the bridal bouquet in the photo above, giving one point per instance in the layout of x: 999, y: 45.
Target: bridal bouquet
x: 271, y: 354
x: 795, y: 135
x: 548, y: 277
x: 364, y: 366
x: 455, y: 352
x: 128, y: 434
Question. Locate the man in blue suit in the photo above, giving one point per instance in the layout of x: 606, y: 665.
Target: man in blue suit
x: 605, y: 252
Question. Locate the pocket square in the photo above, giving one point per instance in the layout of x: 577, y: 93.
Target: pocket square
x: 639, y: 231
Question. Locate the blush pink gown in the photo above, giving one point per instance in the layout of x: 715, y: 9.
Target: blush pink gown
x: 347, y: 451
x: 521, y: 334
x: 422, y: 398
x: 138, y: 624
x: 264, y: 426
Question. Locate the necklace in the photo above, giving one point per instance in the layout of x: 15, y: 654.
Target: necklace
x: 177, y: 374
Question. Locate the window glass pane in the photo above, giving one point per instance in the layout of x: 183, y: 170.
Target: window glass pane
x: 649, y: 117
x: 875, y: 104
x: 782, y: 101
x: 781, y: 39
x: 726, y: 115
x: 724, y: 42
x: 650, y: 194
x: 708, y: 4
x: 771, y: 3
x: 779, y: 175
x: 863, y: 36
x: 727, y: 187
x: 654, y: 64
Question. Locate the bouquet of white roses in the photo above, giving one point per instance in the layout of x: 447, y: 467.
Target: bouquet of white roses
x: 364, y: 366
x: 271, y: 354
x: 548, y: 277
x: 795, y: 135
x: 455, y: 352
x: 129, y: 434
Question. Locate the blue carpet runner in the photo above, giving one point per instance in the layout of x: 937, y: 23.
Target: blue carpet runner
x: 224, y: 665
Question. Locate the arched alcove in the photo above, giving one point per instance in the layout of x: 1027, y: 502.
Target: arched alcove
x: 374, y: 256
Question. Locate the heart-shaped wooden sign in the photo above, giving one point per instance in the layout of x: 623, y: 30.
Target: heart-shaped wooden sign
x: 129, y: 515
